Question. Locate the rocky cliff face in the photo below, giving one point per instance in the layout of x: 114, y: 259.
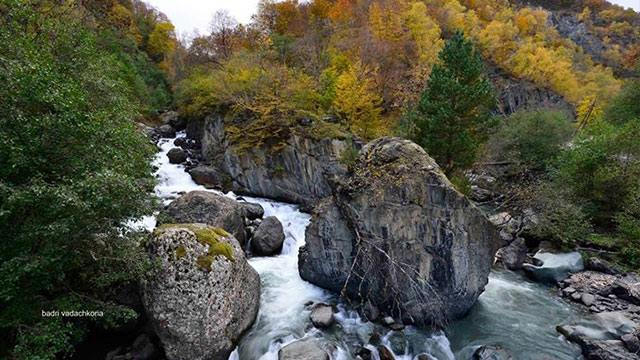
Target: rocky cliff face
x: 517, y: 94
x: 204, y: 294
x: 299, y: 173
x: 396, y: 233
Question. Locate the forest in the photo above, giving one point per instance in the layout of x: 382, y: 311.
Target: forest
x: 80, y: 79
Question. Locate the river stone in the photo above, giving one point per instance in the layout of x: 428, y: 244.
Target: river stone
x: 207, y: 208
x: 268, y: 237
x: 490, y: 352
x: 177, y: 156
x: 306, y: 349
x: 252, y: 210
x: 207, y: 176
x: 200, y: 300
x: 385, y: 353
x: 513, y: 255
x: 173, y: 118
x: 555, y: 267
x: 322, y: 316
x: 397, y: 233
x: 166, y: 131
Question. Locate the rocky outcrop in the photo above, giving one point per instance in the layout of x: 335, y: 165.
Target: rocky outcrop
x: 300, y: 172
x: 397, y: 233
x: 204, y: 294
x: 173, y: 119
x: 207, y: 208
x: 166, y: 131
x: 268, y: 237
x: 518, y: 94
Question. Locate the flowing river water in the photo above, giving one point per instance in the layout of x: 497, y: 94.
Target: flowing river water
x: 513, y: 313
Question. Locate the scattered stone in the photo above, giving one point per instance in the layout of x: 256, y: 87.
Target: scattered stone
x: 396, y: 326
x: 385, y: 353
x: 204, y: 294
x: 587, y: 299
x: 252, y: 210
x: 555, y: 267
x: 268, y: 237
x: 363, y: 353
x: 425, y: 357
x: 177, y: 156
x: 375, y: 339
x: 388, y: 321
x: 306, y: 349
x: 322, y: 316
x: 166, y: 131
x: 491, y: 352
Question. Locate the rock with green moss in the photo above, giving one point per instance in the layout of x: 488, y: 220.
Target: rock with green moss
x: 204, y: 294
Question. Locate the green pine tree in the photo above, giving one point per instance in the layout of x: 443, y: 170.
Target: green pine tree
x: 452, y: 117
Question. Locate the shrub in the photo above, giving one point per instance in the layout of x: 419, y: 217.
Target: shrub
x: 531, y: 138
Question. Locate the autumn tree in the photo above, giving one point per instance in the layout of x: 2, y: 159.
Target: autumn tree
x: 357, y: 101
x: 452, y: 117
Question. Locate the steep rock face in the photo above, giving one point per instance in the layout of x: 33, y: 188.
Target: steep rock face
x: 517, y: 94
x: 208, y: 208
x: 399, y: 235
x: 298, y: 173
x: 204, y: 295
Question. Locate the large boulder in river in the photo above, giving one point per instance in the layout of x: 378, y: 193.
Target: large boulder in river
x: 204, y: 294
x: 177, y: 156
x: 398, y: 234
x: 268, y: 237
x: 207, y: 208
x: 306, y: 349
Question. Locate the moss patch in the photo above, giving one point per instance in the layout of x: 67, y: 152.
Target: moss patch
x: 210, y: 236
x: 180, y: 252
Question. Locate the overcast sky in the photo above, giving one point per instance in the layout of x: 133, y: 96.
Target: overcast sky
x: 188, y: 15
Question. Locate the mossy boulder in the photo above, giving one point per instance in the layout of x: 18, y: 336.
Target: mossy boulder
x: 204, y: 294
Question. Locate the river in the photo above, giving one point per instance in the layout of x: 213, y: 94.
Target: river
x: 513, y: 312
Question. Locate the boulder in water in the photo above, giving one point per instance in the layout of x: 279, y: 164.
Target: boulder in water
x: 491, y: 352
x: 207, y: 176
x: 306, y: 349
x: 177, y: 156
x: 268, y: 237
x: 204, y: 294
x: 207, y: 208
x: 513, y: 255
x: 322, y: 316
x: 166, y: 131
x: 385, y: 353
x: 398, y: 234
x: 253, y: 210
x: 173, y: 118
x: 555, y: 267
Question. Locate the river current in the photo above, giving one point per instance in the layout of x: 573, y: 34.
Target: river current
x: 513, y: 312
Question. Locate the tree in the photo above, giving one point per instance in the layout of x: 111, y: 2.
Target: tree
x: 452, y: 117
x: 74, y: 170
x: 223, y: 28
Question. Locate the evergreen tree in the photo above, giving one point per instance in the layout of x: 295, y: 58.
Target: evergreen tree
x: 452, y: 117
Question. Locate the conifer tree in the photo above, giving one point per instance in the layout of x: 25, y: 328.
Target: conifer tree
x: 452, y: 116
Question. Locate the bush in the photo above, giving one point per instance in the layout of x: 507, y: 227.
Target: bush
x: 532, y: 139
x: 601, y: 169
x: 560, y: 220
x: 73, y: 169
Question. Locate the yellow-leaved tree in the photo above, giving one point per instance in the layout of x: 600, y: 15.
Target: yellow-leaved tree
x: 357, y: 102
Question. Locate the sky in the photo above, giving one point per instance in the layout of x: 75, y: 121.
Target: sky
x: 188, y: 15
